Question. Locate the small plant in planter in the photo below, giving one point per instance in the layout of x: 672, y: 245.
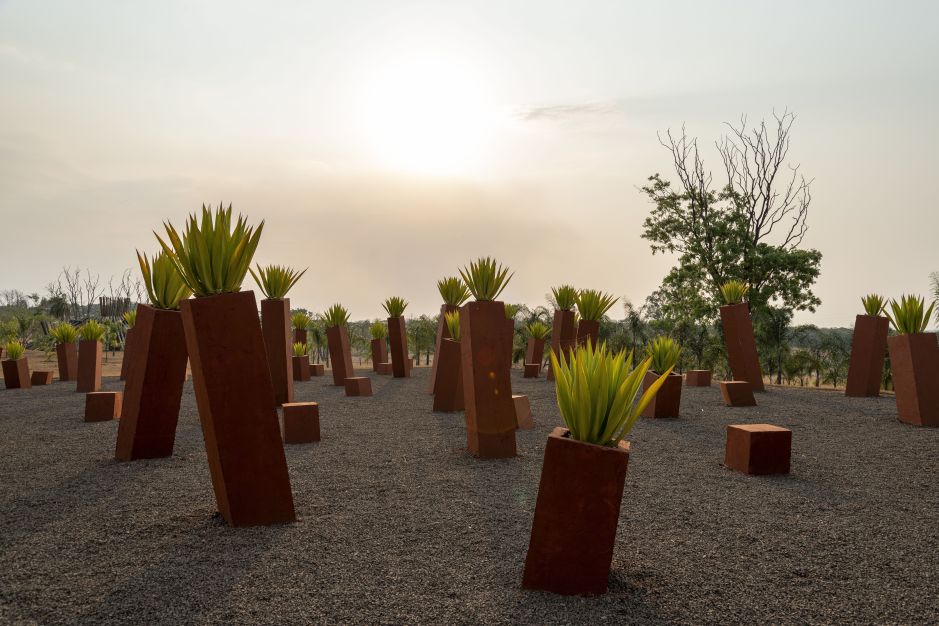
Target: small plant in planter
x: 448, y: 388
x: 275, y: 281
x: 16, y: 366
x: 537, y: 332
x: 379, y: 343
x: 663, y: 353
x: 65, y: 335
x: 914, y: 361
x: 301, y: 322
x: 868, y: 346
x: 738, y: 334
x: 584, y: 469
x: 156, y: 366
x: 592, y: 305
x: 487, y: 386
x: 454, y: 293
x: 564, y: 326
x: 336, y: 319
x: 301, y: 362
x: 230, y: 373
x: 398, y: 337
x: 453, y: 325
x: 90, y: 350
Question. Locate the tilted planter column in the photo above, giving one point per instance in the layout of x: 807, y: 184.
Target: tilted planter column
x: 914, y: 361
x: 398, y: 337
x: 448, y: 388
x: 154, y: 388
x: 442, y: 333
x: 562, y: 335
x: 235, y: 396
x: 868, y: 346
x: 129, y: 347
x: 16, y: 374
x: 275, y: 323
x: 379, y: 353
x: 487, y: 389
x: 89, y: 366
x: 300, y: 335
x: 67, y: 356
x: 588, y: 330
x: 741, y: 346
x: 340, y: 354
x: 535, y: 351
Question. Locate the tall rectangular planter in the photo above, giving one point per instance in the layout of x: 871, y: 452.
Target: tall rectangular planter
x: 340, y: 354
x: 154, y: 388
x: 129, y: 338
x: 667, y: 400
x: 588, y: 330
x: 563, y: 335
x: 16, y: 374
x: 443, y: 332
x: 914, y: 360
x: 278, y: 343
x: 379, y: 353
x: 576, y: 515
x: 868, y: 346
x: 741, y: 346
x: 398, y: 337
x: 67, y: 356
x: 301, y: 368
x: 236, y: 407
x: 535, y: 351
x: 299, y: 335
x: 89, y: 366
x: 448, y: 388
x: 487, y: 387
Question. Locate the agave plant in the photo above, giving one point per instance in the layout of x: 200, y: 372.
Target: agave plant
x: 453, y: 291
x: 299, y: 349
x: 276, y: 280
x: 511, y: 310
x: 336, y: 315
x: 538, y: 330
x: 597, y: 390
x: 565, y: 297
x: 378, y: 330
x: 664, y: 352
x: 734, y: 291
x: 593, y: 304
x: 874, y: 304
x: 64, y: 332
x: 211, y: 256
x: 485, y: 278
x: 453, y: 324
x: 394, y: 306
x: 909, y: 316
x: 165, y: 286
x: 300, y: 320
x: 130, y: 317
x: 14, y: 350
x: 92, y: 330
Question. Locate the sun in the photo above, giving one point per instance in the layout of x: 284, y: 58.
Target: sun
x: 427, y: 116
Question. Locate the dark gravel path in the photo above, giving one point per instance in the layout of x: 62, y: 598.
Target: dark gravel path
x: 399, y: 525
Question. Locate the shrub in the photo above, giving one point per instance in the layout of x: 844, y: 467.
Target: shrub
x: 378, y: 330
x: 874, y: 304
x: 394, y: 306
x: 663, y: 352
x: 593, y: 304
x: 130, y: 317
x: 276, y: 280
x: 336, y: 315
x: 734, y: 291
x: 14, y: 350
x: 908, y: 316
x: 165, y: 286
x: 64, y: 333
x: 453, y: 324
x: 453, y: 291
x: 485, y: 278
x: 538, y: 330
x: 299, y: 349
x: 565, y: 297
x: 597, y: 390
x: 300, y: 320
x: 92, y: 330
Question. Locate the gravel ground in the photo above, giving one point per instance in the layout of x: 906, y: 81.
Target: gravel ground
x: 398, y: 524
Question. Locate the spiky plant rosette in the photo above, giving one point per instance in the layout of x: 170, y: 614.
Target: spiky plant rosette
x: 394, y: 306
x: 275, y: 281
x: 64, y: 332
x: 538, y: 330
x: 299, y: 348
x: 734, y: 291
x: 565, y: 297
x: 92, y: 330
x: 664, y: 352
x: 211, y: 256
x: 130, y: 318
x: 485, y: 278
x: 300, y: 320
x: 453, y: 291
x: 165, y: 286
x: 511, y: 310
x: 597, y: 391
x: 909, y: 316
x: 593, y: 305
x: 453, y: 324
x: 378, y: 330
x: 874, y: 304
x: 336, y: 315
x: 14, y: 350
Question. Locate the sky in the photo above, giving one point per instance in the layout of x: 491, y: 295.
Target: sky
x: 387, y: 144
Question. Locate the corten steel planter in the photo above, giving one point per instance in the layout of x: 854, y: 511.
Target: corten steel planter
x: 16, y: 374
x: 301, y: 422
x: 398, y: 337
x: 89, y: 366
x: 588, y: 330
x: 38, y: 379
x: 384, y: 369
x: 448, y: 388
x: 868, y: 346
x: 235, y: 397
x: 443, y: 332
x: 379, y: 353
x: 576, y: 516
x: 102, y: 406
x: 667, y: 400
x: 301, y: 367
x: 741, y: 346
x: 358, y: 386
x: 563, y: 336
x: 340, y: 354
x: 534, y: 352
x: 737, y: 393
x: 154, y: 386
x: 129, y: 346
x: 299, y: 335
x: 67, y: 356
x: 523, y: 417
x: 510, y: 342
x: 532, y: 370
x: 698, y: 378
x: 487, y: 386
x: 275, y: 324
x: 914, y: 360
x: 317, y: 369
x: 758, y: 449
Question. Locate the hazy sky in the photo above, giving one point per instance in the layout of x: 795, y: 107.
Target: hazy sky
x: 387, y: 143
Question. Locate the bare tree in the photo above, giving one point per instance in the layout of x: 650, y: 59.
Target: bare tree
x: 73, y: 289
x: 91, y: 289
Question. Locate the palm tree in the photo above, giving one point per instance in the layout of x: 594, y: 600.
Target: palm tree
x: 774, y: 332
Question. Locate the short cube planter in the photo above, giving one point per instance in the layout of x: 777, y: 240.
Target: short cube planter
x: 698, y: 378
x: 737, y: 393
x: 532, y: 370
x: 40, y: 378
x: 102, y: 406
x: 317, y: 369
x: 301, y: 422
x: 523, y: 417
x: 758, y: 449
x: 358, y: 386
x: 16, y: 374
x: 301, y: 367
x: 384, y: 369
x: 667, y: 401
